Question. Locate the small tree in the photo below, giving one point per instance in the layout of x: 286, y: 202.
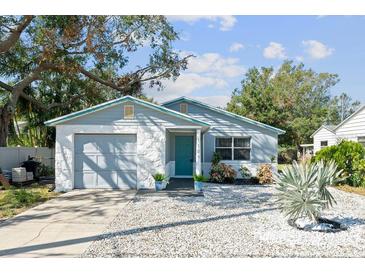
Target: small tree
x: 303, y: 189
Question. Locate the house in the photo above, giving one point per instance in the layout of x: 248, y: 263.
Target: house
x: 352, y: 128
x: 121, y: 143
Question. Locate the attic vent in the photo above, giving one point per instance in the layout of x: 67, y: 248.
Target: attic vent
x: 184, y: 108
x: 128, y: 112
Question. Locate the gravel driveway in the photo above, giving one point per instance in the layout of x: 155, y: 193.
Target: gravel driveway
x: 229, y: 221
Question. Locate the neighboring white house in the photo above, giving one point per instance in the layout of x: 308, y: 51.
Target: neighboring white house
x: 123, y: 142
x: 352, y: 128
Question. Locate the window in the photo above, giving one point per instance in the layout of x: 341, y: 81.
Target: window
x: 233, y: 148
x: 361, y: 140
x: 184, y: 108
x: 128, y: 112
x: 324, y: 144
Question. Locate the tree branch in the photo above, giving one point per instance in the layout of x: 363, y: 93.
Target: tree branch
x: 48, y: 106
x: 11, y: 40
x: 98, y: 79
x: 6, y: 86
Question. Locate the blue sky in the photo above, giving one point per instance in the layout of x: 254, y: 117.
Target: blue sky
x: 226, y: 46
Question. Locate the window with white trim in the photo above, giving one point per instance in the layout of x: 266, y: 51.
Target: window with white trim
x: 128, y: 112
x: 233, y: 148
x: 361, y: 140
x: 324, y: 144
x: 184, y: 108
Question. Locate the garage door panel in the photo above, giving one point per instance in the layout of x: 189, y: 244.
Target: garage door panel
x: 85, y: 144
x: 126, y: 162
x: 125, y: 178
x: 85, y: 162
x: 107, y: 179
x: 86, y: 179
x: 105, y: 161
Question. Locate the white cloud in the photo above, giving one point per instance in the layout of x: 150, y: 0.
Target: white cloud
x: 274, y: 51
x: 217, y: 101
x: 184, y: 85
x: 226, y: 22
x: 236, y: 47
x: 209, y: 72
x: 214, y: 65
x: 317, y: 50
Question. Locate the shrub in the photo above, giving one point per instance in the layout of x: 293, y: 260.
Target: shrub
x: 222, y: 173
x: 303, y: 189
x: 245, y: 172
x: 264, y: 174
x: 44, y: 170
x: 20, y: 197
x: 199, y: 178
x: 349, y: 156
x: 287, y: 155
x: 159, y: 177
x: 216, y: 159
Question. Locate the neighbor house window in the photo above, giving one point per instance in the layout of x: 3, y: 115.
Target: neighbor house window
x: 128, y: 112
x: 324, y: 144
x: 233, y: 148
x: 361, y: 140
x: 184, y: 108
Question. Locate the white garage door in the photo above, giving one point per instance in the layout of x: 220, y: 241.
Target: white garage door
x: 105, y: 161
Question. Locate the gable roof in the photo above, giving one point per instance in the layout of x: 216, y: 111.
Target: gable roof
x: 114, y: 102
x: 328, y: 127
x: 348, y: 118
x: 333, y: 128
x: 225, y: 112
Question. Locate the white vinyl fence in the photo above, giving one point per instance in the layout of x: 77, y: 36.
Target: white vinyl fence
x: 11, y: 157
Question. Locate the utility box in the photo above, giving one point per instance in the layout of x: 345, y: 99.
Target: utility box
x: 19, y: 174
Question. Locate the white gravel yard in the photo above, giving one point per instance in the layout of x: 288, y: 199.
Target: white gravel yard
x: 229, y: 221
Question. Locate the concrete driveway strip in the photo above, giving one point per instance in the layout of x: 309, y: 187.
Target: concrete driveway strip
x: 64, y: 226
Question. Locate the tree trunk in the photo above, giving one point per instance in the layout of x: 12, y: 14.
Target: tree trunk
x: 5, y: 118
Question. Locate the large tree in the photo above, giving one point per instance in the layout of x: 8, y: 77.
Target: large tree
x: 292, y: 98
x: 36, y: 50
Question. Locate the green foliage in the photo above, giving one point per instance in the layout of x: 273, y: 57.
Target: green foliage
x: 20, y: 197
x: 222, y: 173
x: 265, y: 174
x: 216, y: 158
x: 44, y: 170
x: 199, y: 178
x: 303, y: 188
x: 245, y: 172
x: 292, y: 98
x: 79, y: 61
x: 349, y: 157
x: 159, y: 177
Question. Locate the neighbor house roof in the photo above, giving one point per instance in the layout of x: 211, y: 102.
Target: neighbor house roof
x: 348, y: 118
x: 114, y: 102
x: 224, y: 112
x: 328, y: 127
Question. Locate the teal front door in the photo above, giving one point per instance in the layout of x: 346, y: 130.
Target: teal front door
x: 184, y: 155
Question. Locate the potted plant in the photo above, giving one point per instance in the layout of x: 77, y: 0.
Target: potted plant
x: 198, y: 182
x: 160, y: 181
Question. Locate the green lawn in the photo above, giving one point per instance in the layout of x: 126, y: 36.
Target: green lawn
x: 16, y: 200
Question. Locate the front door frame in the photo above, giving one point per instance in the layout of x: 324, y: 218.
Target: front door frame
x: 192, y: 156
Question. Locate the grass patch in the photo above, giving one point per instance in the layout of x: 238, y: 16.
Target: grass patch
x: 16, y: 200
x: 358, y: 190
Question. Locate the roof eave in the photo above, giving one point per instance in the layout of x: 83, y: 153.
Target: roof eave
x: 245, y: 119
x: 74, y: 115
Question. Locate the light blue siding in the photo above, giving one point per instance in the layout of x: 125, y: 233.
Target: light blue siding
x: 263, y: 141
x: 143, y: 117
